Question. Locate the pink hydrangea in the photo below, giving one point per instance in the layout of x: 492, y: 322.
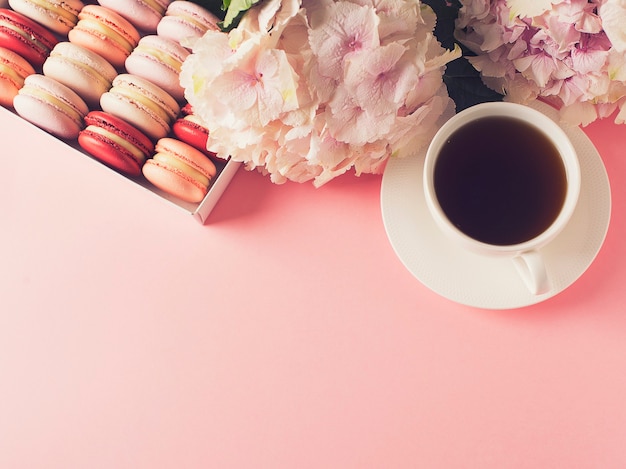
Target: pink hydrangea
x: 568, y: 52
x: 309, y: 89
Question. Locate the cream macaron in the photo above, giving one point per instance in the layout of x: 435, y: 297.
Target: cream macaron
x: 59, y: 16
x: 51, y: 106
x: 80, y: 69
x: 144, y: 14
x: 142, y: 104
x: 185, y: 20
x: 159, y: 60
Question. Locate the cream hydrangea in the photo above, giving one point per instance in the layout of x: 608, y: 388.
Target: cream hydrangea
x: 568, y: 52
x: 308, y: 89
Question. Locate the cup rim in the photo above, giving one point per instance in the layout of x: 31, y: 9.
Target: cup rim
x: 539, y: 121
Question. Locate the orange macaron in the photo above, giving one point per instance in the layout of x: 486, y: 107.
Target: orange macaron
x: 180, y: 170
x: 106, y: 33
x: 13, y: 70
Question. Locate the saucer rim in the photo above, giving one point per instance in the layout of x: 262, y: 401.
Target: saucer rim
x: 396, y: 216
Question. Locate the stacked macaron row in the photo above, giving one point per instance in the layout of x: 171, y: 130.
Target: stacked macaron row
x: 181, y: 165
x: 106, y: 75
x: 183, y: 22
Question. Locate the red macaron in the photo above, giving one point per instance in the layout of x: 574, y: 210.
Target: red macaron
x: 25, y: 37
x: 190, y: 129
x: 115, y: 142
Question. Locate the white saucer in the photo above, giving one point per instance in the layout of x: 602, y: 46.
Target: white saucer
x: 484, y: 282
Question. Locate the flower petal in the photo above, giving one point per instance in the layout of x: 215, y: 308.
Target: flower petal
x: 348, y: 29
x: 613, y: 15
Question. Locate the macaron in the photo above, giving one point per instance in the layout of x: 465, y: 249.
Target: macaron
x: 58, y: 16
x: 184, y: 20
x: 81, y: 70
x: 25, y: 37
x: 142, y: 104
x: 51, y: 106
x: 144, y: 14
x: 115, y: 142
x: 192, y: 130
x: 13, y: 70
x: 180, y: 170
x: 159, y: 60
x: 106, y: 33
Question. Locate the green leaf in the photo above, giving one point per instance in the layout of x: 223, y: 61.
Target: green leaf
x: 463, y: 81
x: 465, y: 86
x: 229, y: 11
x: 447, y: 13
x: 214, y: 6
x: 234, y: 10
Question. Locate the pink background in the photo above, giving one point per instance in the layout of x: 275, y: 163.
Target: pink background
x: 283, y: 334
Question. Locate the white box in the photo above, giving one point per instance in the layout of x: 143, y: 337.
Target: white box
x: 200, y: 211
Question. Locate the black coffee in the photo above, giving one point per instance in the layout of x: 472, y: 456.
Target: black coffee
x: 500, y: 180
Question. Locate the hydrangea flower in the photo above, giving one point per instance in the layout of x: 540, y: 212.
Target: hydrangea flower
x: 309, y: 89
x: 568, y: 52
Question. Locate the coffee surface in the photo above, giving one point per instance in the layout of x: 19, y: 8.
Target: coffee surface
x: 500, y: 180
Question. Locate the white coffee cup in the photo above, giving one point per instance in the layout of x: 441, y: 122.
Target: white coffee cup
x: 444, y: 155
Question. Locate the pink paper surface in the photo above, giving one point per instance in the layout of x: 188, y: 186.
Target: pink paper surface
x: 283, y: 334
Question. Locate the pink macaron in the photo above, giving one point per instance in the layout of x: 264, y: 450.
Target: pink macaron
x: 51, y: 106
x: 13, y: 71
x: 58, y: 16
x: 142, y: 104
x: 185, y: 20
x: 106, y: 33
x: 25, y: 37
x: 159, y: 60
x: 180, y: 170
x: 80, y: 69
x: 144, y: 14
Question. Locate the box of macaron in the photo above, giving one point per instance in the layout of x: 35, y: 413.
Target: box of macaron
x: 103, y: 78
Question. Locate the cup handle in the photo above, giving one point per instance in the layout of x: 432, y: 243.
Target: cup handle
x: 532, y: 269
